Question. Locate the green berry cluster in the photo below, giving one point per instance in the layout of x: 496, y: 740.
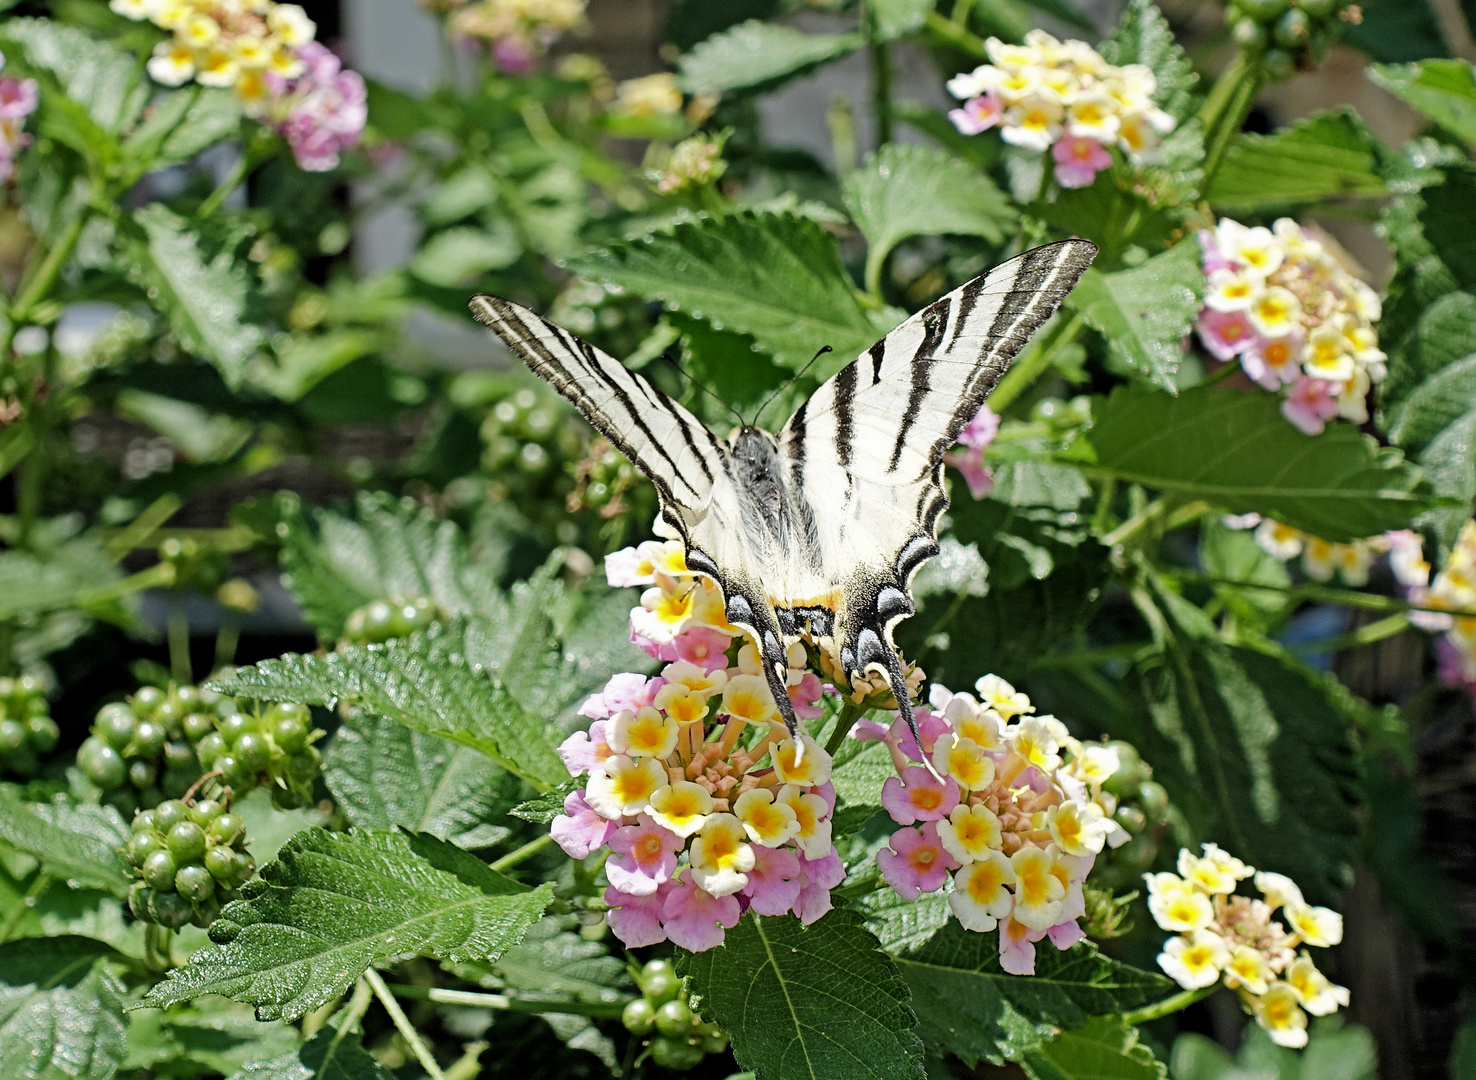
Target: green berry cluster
x: 601, y: 480
x: 272, y: 748
x: 188, y: 859
x: 392, y: 617
x: 1143, y: 810
x: 26, y: 728
x: 144, y: 750
x: 681, y: 1038
x: 1287, y: 35
x: 201, y: 566
x: 526, y: 434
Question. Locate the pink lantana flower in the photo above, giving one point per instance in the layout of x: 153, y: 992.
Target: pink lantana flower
x: 636, y: 920
x: 583, y: 750
x: 625, y: 691
x: 918, y: 795
x: 917, y: 861
x: 1310, y: 404
x: 976, y: 438
x: 579, y: 830
x: 1214, y: 258
x: 645, y: 856
x: 695, y: 919
x: 1017, y: 947
x: 804, y: 696
x: 774, y: 882
x: 1079, y: 160
x: 701, y: 645
x: 817, y: 877
x: 18, y: 97
x: 1226, y: 334
x: 978, y: 114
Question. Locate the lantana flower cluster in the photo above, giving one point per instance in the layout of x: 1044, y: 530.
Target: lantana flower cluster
x: 18, y: 100
x: 1321, y: 559
x: 1236, y: 939
x: 267, y: 54
x: 519, y: 30
x: 1453, y: 590
x: 1299, y: 323
x: 707, y: 806
x: 1003, y: 806
x: 1062, y: 97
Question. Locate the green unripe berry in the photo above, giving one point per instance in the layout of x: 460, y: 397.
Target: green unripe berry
x: 159, y: 870
x: 227, y: 828
x: 169, y: 909
x: 638, y: 1017
x: 1138, y: 853
x: 149, y: 738
x: 1279, y: 64
x: 658, y: 982
x: 143, y: 822
x: 194, y: 882
x: 186, y: 842
x: 123, y: 799
x: 290, y: 733
x: 142, y: 773
x: 142, y: 846
x: 197, y: 725
x: 1320, y: 9
x: 1131, y: 818
x: 148, y: 699
x: 234, y: 726
x: 676, y: 1054
x: 379, y: 620
x: 222, y: 864
x: 176, y: 783
x: 674, y: 1018
x: 252, y: 752
x: 304, y: 766
x: 150, y: 797
x: 169, y: 814
x: 231, y: 771
x: 42, y: 733
x: 188, y: 696
x: 101, y: 763
x: 1263, y: 10
x: 206, y: 912
x: 1154, y: 801
x: 289, y: 798
x: 13, y: 737
x: 245, y: 867
x: 139, y: 897
x: 1293, y: 29
x: 115, y: 725
x: 27, y: 686
x: 1249, y: 35
x: 210, y: 748
x: 170, y: 716
x: 178, y: 754
x: 205, y: 811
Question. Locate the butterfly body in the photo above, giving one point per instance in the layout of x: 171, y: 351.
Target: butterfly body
x: 817, y: 532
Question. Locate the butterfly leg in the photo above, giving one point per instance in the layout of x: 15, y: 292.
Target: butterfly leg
x: 761, y: 622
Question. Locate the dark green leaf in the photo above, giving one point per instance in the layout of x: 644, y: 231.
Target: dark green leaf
x: 103, y: 79
x: 1145, y: 312
x: 967, y: 1005
x: 61, y: 1017
x: 553, y: 963
x: 1444, y: 90
x: 896, y: 18
x: 547, y: 806
x: 808, y: 1003
x: 424, y: 682
x: 81, y: 844
x: 1143, y: 36
x: 329, y: 1055
x: 75, y: 574
x: 1235, y: 450
x: 334, y: 903
x: 208, y: 299
x: 775, y: 277
x: 900, y: 925
x: 1396, y: 31
x: 220, y: 1038
x: 180, y: 125
x: 385, y: 775
x: 1448, y: 226
x: 1234, y: 555
x: 455, y: 256
x: 757, y: 54
x: 1105, y: 1049
x: 1328, y: 155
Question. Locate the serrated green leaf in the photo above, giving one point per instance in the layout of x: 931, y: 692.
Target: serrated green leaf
x: 1329, y: 155
x: 892, y: 19
x: 903, y: 191
x: 553, y: 963
x: 75, y: 843
x: 1104, y: 1049
x: 777, y: 278
x: 101, y: 78
x: 1235, y: 450
x: 1447, y: 225
x: 335, y: 903
x: 967, y: 1005
x: 220, y: 1038
x: 385, y: 775
x: 1143, y: 36
x: 1444, y: 90
x: 858, y: 772
x: 547, y: 806
x: 208, y: 299
x: 180, y: 125
x: 75, y: 574
x: 61, y: 1017
x: 1145, y: 312
x: 329, y: 1055
x: 424, y: 682
x: 817, y: 1002
x: 900, y: 925
x: 1234, y: 555
x: 457, y: 255
x: 756, y: 54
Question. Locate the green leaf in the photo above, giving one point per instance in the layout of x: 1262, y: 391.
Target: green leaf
x: 75, y: 574
x: 899, y: 925
x: 967, y: 1005
x: 892, y: 19
x: 180, y: 125
x: 1235, y: 450
x: 425, y: 682
x: 220, y: 1038
x: 385, y: 775
x: 103, y: 79
x: 816, y: 1002
x: 1329, y: 155
x: 329, y: 1055
x: 1105, y: 1049
x: 1394, y: 31
x: 1234, y: 555
x: 1143, y: 36
x: 457, y: 255
x: 1145, y: 312
x: 81, y: 844
x: 775, y: 277
x: 208, y: 299
x: 858, y: 772
x: 756, y: 54
x: 903, y: 191
x: 335, y: 903
x: 554, y: 963
x: 1444, y: 90
x: 546, y: 807
x: 61, y: 1017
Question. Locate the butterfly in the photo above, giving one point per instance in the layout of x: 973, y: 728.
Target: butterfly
x: 818, y: 530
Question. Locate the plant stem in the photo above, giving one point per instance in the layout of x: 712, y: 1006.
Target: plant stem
x: 1365, y: 635
x: 1225, y: 110
x: 1035, y: 362
x: 179, y: 639
x: 881, y: 91
x: 358, y: 1005
x: 39, y: 284
x: 158, y: 948
x: 402, y: 1024
x: 226, y: 640
x: 137, y: 532
x: 1327, y: 594
x: 844, y: 721
x: 1168, y: 1006
x: 244, y: 164
x: 532, y: 847
x: 956, y: 35
x: 28, y: 903
x: 501, y: 1002
x: 1136, y: 524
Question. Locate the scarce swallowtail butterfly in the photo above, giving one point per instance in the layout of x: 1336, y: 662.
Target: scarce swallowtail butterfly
x: 817, y: 531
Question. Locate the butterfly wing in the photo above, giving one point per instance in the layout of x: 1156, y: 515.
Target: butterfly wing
x: 866, y: 451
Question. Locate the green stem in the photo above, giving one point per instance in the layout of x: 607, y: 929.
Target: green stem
x: 39, y: 284
x: 234, y: 179
x: 881, y: 91
x: 1386, y: 627
x: 358, y: 1005
x: 179, y: 639
x: 402, y: 1024
x: 954, y: 34
x: 532, y: 847
x: 1326, y: 594
x: 1035, y: 362
x: 28, y: 903
x: 226, y: 640
x: 158, y: 948
x: 1225, y: 110
x: 1137, y: 523
x: 844, y: 721
x: 1168, y: 1006
x: 509, y: 1004
x: 141, y: 528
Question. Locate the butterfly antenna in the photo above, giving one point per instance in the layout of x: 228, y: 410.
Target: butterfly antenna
x: 674, y: 362
x: 797, y: 375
